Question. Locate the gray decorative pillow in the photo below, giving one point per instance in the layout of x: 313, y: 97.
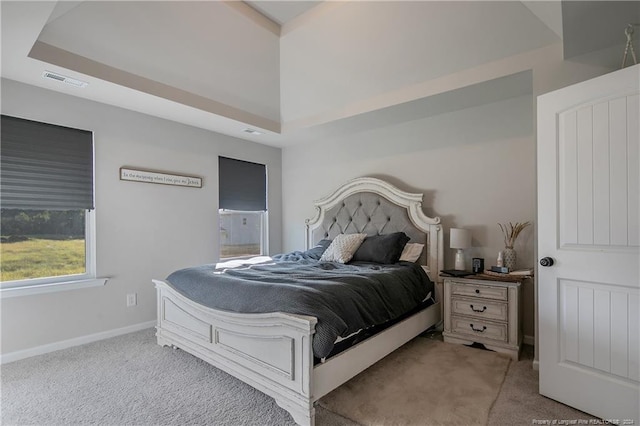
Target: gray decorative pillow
x: 342, y: 248
x: 384, y: 249
x: 316, y: 251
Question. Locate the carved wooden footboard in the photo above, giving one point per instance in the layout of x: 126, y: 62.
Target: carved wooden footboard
x: 271, y: 352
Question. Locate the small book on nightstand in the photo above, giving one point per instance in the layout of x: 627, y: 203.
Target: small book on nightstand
x: 455, y: 273
x: 522, y: 272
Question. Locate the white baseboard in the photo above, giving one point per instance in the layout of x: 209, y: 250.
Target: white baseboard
x: 529, y: 340
x: 77, y: 341
x: 536, y: 365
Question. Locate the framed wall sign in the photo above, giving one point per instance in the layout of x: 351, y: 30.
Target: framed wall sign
x: 149, y: 176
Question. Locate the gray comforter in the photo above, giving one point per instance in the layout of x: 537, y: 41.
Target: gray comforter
x: 344, y: 298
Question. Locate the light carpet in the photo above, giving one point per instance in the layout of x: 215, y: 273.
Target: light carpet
x: 425, y: 382
x: 130, y: 380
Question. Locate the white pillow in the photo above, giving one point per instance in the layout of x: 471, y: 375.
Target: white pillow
x: 342, y: 248
x: 411, y: 252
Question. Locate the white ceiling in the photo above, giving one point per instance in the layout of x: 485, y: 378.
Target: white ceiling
x: 282, y: 12
x: 295, y: 71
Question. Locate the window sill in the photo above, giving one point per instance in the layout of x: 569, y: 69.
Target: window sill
x: 51, y: 287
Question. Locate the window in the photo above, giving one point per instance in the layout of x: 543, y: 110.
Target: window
x: 46, y: 195
x: 243, y: 208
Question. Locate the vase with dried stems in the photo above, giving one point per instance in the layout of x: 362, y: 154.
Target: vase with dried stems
x: 510, y: 231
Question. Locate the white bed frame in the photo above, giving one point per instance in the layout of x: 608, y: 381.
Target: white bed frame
x: 273, y: 352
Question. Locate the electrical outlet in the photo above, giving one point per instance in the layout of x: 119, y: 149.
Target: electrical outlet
x: 132, y: 299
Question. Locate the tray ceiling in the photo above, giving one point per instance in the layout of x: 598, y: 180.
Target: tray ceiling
x: 283, y: 68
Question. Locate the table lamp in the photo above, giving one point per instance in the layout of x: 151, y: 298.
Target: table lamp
x: 460, y: 239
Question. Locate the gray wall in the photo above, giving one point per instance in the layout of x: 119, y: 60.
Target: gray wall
x: 475, y: 166
x: 144, y: 231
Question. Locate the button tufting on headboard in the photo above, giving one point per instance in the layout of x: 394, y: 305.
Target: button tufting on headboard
x: 375, y: 207
x: 368, y: 213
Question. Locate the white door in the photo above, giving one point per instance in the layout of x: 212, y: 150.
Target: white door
x: 588, y: 224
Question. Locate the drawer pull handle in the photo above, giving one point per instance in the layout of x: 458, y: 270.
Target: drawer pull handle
x: 479, y: 330
x: 484, y: 308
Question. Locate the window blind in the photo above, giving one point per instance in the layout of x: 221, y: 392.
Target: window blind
x: 44, y: 166
x: 242, y: 185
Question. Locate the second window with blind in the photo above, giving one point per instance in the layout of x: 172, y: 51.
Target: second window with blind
x: 242, y: 208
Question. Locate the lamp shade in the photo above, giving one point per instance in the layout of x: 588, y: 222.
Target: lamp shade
x: 460, y: 238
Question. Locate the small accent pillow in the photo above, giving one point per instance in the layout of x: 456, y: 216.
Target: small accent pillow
x: 411, y: 252
x: 385, y: 249
x: 342, y: 248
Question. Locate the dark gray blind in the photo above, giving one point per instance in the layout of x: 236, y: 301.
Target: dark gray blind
x: 45, y: 167
x: 243, y: 185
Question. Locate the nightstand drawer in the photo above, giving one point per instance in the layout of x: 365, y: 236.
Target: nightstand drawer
x: 483, y: 291
x: 480, y: 309
x: 475, y: 327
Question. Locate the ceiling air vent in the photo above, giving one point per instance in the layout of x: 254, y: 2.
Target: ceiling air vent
x: 64, y: 79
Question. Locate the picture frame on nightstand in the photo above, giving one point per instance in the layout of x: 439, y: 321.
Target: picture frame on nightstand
x: 477, y: 265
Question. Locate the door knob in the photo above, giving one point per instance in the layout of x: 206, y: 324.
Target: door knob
x: 546, y: 261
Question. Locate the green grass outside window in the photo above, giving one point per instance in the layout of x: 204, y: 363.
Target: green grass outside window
x: 39, y: 258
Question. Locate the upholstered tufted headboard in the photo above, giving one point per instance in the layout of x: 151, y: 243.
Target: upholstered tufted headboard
x: 375, y: 207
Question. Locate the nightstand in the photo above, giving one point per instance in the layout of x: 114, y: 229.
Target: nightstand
x: 483, y: 311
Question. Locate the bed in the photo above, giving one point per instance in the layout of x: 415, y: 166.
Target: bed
x: 274, y: 351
